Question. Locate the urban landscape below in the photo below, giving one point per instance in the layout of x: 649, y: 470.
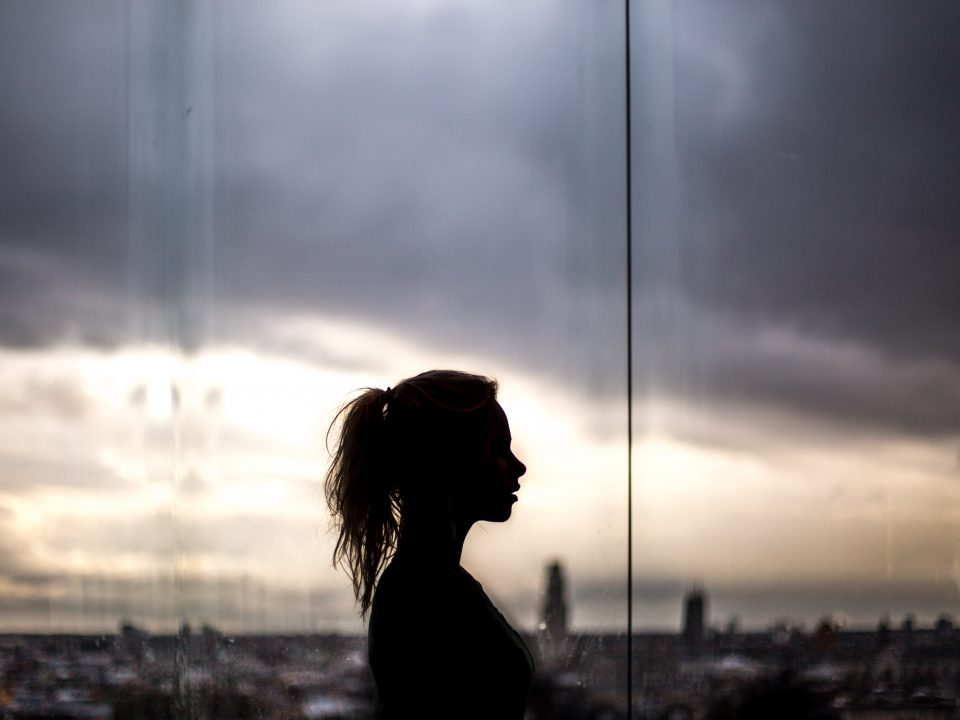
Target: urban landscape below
x: 699, y: 673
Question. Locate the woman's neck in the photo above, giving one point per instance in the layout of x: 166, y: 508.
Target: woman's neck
x: 438, y: 542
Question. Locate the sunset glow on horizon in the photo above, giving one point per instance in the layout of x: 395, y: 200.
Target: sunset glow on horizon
x: 222, y: 484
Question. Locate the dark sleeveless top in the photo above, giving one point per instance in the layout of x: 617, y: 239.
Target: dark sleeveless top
x: 439, y: 648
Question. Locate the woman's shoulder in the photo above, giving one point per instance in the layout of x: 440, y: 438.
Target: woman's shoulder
x: 405, y: 576
x: 418, y: 589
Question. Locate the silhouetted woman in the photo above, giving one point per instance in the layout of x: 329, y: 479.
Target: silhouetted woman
x: 415, y: 467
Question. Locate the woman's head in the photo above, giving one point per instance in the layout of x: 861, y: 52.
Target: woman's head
x: 435, y: 445
x: 432, y: 423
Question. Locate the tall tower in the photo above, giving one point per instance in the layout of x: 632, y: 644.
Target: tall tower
x: 555, y: 603
x: 553, y: 620
x: 694, y: 619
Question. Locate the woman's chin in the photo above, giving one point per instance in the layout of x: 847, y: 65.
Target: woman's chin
x: 502, y: 513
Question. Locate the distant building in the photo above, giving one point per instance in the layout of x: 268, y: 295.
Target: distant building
x: 553, y: 620
x: 555, y: 602
x: 694, y: 619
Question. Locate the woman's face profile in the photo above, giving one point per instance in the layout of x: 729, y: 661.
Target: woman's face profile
x: 491, y: 490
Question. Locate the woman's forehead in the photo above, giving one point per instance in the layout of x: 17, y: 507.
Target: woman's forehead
x: 499, y: 425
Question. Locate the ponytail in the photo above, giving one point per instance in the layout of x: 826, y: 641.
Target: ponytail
x: 364, y: 506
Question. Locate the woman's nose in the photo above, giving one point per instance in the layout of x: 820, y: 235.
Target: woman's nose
x: 521, y: 468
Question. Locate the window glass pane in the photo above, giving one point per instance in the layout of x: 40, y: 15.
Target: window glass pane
x: 795, y: 298
x: 220, y: 219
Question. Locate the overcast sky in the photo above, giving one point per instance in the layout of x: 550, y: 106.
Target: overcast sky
x: 269, y: 205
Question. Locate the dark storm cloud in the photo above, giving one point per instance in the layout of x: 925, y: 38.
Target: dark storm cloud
x: 821, y: 160
x: 458, y: 178
x: 427, y: 171
x: 61, y: 170
x: 439, y: 185
x: 719, y: 362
